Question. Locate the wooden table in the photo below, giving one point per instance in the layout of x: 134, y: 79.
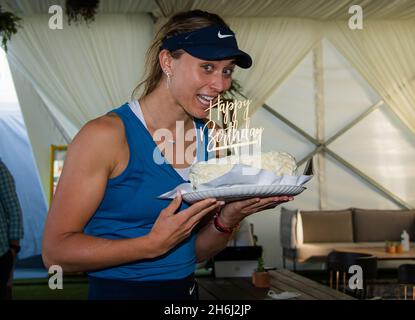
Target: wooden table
x: 281, y: 280
x: 380, y: 253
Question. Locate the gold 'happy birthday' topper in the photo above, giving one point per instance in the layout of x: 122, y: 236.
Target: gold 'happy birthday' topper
x: 231, y: 136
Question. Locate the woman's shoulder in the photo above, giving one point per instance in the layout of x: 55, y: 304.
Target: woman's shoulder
x: 106, y: 131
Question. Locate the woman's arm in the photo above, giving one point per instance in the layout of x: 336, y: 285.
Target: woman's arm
x: 210, y: 241
x: 90, y: 161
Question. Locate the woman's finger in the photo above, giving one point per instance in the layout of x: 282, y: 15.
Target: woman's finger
x: 173, y: 206
x: 197, y: 207
x: 270, y: 206
x: 197, y: 217
x: 264, y: 202
x: 242, y: 204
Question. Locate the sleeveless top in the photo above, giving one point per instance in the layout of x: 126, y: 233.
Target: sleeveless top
x: 184, y: 172
x: 130, y: 205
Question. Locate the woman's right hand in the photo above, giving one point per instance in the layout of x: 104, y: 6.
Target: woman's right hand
x: 172, y: 228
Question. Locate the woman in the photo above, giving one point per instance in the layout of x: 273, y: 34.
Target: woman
x: 105, y: 217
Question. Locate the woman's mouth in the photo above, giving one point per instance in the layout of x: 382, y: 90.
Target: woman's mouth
x: 205, y: 100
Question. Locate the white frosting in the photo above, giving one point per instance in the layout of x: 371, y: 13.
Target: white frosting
x: 279, y: 163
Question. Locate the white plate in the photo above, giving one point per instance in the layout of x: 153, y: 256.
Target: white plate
x: 242, y: 192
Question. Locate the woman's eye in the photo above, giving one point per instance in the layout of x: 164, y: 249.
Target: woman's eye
x: 228, y: 72
x: 208, y: 67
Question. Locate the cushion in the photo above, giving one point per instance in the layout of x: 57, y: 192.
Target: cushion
x: 327, y: 226
x: 382, y: 225
x: 322, y: 249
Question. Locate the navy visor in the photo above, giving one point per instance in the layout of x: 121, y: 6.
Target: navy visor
x: 211, y: 43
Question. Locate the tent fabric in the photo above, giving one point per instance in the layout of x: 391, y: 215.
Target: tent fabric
x: 273, y: 60
x: 42, y: 129
x: 30, y: 7
x: 16, y: 153
x: 55, y: 110
x: 383, y: 54
x: 380, y: 145
x: 311, y: 9
x: 85, y: 83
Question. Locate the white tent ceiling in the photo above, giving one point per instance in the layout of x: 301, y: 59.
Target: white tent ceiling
x: 311, y: 9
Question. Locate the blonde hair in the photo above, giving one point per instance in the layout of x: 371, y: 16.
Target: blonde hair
x: 179, y: 23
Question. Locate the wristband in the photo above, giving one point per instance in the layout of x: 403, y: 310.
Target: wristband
x: 222, y: 228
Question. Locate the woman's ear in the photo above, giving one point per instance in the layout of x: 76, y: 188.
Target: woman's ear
x: 166, y: 61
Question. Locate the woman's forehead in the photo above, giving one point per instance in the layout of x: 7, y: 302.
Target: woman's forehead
x: 224, y: 62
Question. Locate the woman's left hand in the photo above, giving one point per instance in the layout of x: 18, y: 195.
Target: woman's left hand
x: 233, y: 212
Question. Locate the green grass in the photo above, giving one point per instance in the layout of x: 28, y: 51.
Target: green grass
x: 74, y: 288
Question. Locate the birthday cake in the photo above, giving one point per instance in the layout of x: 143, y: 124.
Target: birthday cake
x: 279, y: 163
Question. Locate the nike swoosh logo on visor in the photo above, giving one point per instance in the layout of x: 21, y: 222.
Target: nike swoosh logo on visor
x: 221, y: 36
x: 192, y: 289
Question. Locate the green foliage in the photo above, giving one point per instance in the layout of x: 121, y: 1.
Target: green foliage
x: 234, y: 92
x: 255, y: 238
x: 260, y: 267
x: 8, y: 26
x: 391, y: 243
x: 78, y: 10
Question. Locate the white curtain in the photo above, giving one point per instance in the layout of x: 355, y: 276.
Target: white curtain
x: 93, y: 69
x: 383, y: 53
x: 30, y: 7
x: 81, y: 72
x: 312, y: 9
x: 277, y: 46
x: 42, y: 129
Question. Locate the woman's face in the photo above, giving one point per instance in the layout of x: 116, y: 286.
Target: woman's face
x: 196, y: 83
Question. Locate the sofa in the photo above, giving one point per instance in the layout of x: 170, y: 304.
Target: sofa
x: 312, y: 235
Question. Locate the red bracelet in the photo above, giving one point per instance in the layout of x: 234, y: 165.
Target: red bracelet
x: 222, y: 228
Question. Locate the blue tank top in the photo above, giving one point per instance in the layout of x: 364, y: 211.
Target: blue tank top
x: 130, y: 205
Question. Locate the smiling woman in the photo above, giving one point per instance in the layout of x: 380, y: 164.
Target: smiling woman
x: 106, y: 217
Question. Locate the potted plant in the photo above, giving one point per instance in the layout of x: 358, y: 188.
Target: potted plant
x: 390, y: 247
x: 260, y: 277
x: 399, y: 247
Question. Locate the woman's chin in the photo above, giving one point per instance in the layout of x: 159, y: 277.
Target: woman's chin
x: 200, y: 111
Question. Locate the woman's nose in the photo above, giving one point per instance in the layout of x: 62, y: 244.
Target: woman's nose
x: 220, y: 83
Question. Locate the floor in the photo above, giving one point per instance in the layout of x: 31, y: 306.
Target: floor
x: 27, y: 279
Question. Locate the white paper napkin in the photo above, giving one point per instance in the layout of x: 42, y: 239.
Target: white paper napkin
x: 283, y: 295
x: 240, y: 175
